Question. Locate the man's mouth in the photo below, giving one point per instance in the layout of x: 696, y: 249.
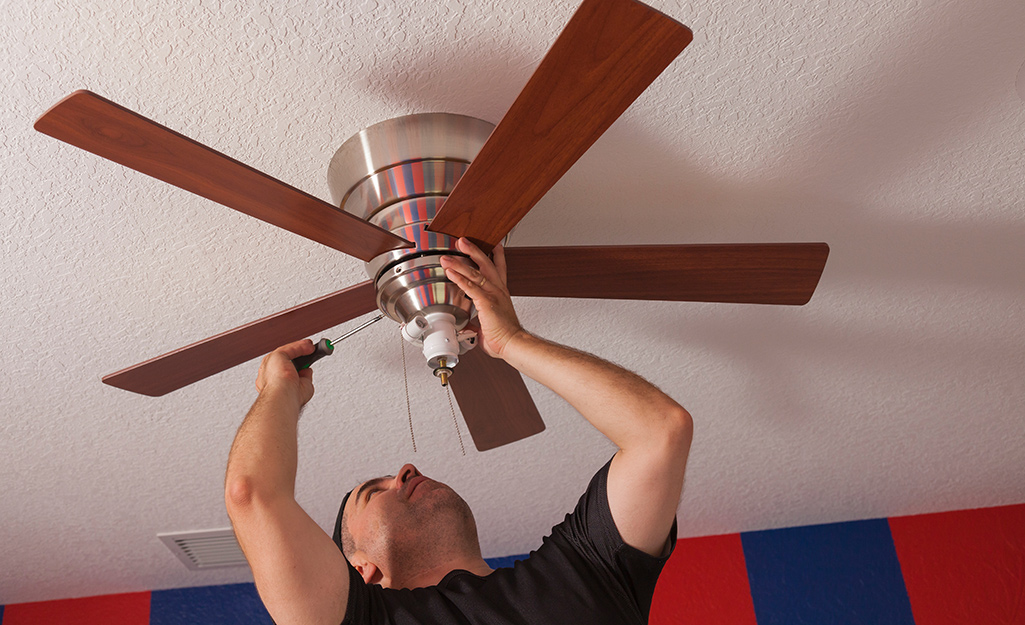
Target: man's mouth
x: 413, y: 483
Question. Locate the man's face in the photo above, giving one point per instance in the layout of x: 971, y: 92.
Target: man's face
x: 407, y: 517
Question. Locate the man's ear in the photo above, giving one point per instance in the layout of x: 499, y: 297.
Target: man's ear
x: 366, y: 569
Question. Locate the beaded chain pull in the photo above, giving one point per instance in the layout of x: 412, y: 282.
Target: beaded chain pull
x: 455, y: 422
x: 409, y: 410
x: 405, y: 381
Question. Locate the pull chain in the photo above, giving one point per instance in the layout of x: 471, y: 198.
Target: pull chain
x: 448, y: 387
x: 405, y: 381
x: 409, y: 410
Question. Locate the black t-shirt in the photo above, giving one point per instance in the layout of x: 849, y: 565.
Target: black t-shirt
x: 582, y: 573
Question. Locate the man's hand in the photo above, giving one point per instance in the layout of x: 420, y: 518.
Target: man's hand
x: 485, y: 284
x: 278, y: 373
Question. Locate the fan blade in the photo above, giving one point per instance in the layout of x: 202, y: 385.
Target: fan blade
x: 609, y: 52
x: 97, y: 125
x: 495, y: 403
x: 769, y: 273
x: 173, y: 370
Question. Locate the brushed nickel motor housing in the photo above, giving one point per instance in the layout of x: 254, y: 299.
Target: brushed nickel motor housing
x: 396, y: 174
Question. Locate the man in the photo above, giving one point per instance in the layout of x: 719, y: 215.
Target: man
x: 411, y: 548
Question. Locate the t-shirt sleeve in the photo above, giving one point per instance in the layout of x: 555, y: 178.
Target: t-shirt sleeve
x: 591, y: 529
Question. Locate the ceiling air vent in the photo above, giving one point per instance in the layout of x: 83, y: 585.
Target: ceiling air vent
x: 205, y: 549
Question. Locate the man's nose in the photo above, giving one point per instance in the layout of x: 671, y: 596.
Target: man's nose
x: 406, y: 473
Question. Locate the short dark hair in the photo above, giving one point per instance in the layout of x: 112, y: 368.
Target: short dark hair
x: 342, y: 536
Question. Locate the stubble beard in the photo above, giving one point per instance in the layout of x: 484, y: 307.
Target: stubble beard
x: 434, y: 530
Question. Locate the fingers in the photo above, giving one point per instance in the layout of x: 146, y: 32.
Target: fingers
x: 499, y: 254
x: 296, y: 349
x: 467, y: 247
x: 466, y: 278
x: 485, y: 271
x: 273, y: 364
x: 487, y: 268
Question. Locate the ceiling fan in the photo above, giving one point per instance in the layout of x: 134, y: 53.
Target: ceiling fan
x: 406, y: 189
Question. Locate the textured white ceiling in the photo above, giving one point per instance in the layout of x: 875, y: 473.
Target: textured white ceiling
x: 891, y: 130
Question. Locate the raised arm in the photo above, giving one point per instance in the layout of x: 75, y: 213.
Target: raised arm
x: 652, y: 431
x: 299, y: 572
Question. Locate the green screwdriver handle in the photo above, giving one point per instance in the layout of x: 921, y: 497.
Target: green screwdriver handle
x: 321, y: 349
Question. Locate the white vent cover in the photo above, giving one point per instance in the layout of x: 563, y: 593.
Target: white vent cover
x: 205, y: 549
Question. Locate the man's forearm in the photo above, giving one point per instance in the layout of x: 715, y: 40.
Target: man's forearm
x: 264, y: 455
x: 621, y: 405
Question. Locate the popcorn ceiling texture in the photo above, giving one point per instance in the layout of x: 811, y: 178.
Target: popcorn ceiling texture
x: 892, y: 131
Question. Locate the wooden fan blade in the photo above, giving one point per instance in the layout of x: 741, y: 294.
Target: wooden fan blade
x: 608, y: 54
x: 769, y: 273
x: 495, y: 403
x: 184, y: 366
x: 97, y: 125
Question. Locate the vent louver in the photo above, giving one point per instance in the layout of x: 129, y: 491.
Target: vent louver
x: 205, y: 549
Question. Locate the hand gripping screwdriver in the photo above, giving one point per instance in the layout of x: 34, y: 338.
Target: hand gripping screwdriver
x: 324, y: 347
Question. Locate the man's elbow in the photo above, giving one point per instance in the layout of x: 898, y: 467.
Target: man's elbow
x: 678, y: 427
x: 246, y: 494
x: 239, y: 494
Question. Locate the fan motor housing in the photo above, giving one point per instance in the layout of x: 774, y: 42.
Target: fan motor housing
x: 396, y: 174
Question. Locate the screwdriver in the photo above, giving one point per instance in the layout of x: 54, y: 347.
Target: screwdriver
x: 325, y: 347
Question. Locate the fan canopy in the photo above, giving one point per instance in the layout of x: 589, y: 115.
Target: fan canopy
x: 396, y: 175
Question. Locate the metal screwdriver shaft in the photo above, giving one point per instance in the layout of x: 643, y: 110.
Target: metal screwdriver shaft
x: 325, y: 347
